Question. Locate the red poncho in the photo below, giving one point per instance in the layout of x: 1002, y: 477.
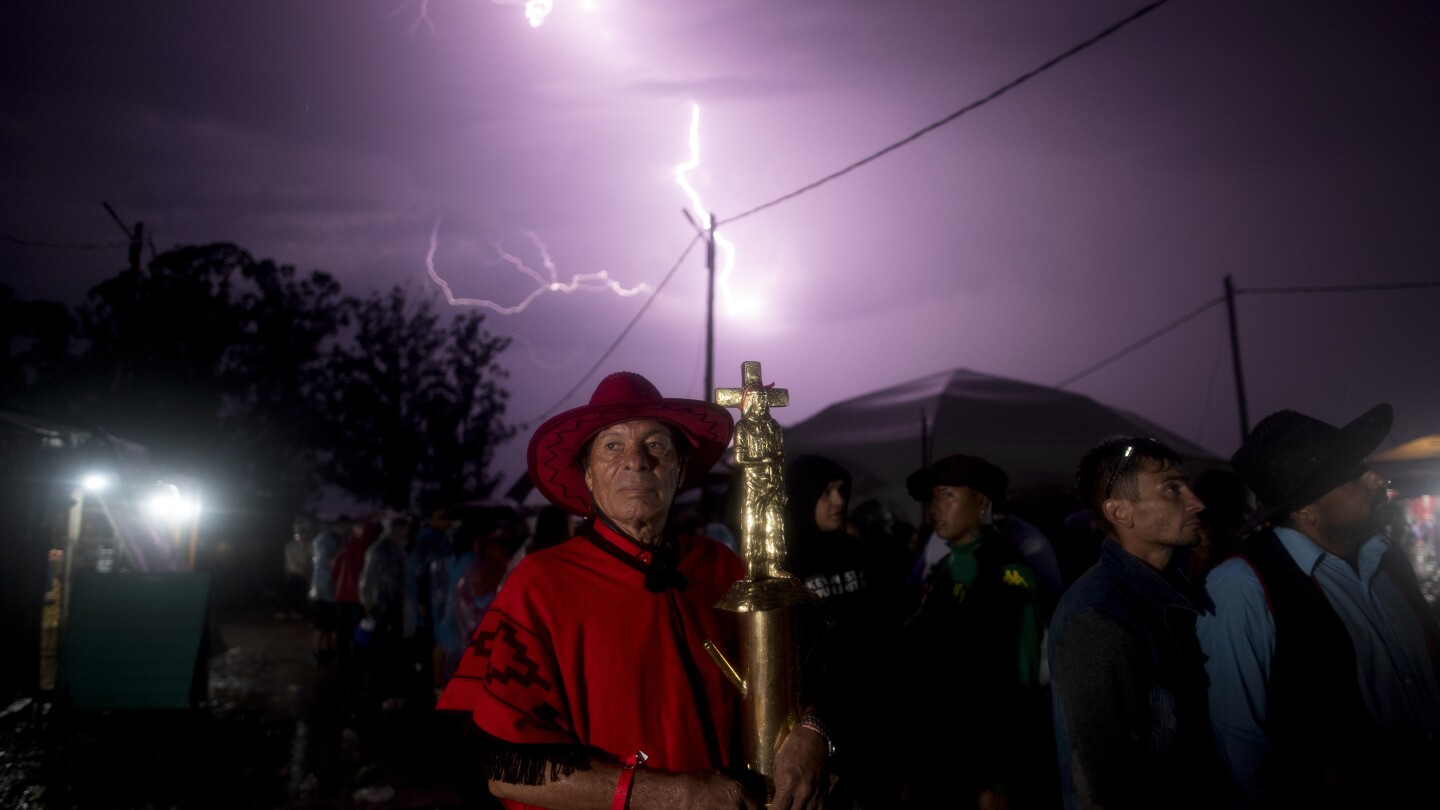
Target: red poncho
x: 576, y: 650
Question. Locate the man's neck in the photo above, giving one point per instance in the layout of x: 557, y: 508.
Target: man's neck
x: 646, y: 532
x: 1344, y: 548
x: 1152, y: 554
x: 965, y: 539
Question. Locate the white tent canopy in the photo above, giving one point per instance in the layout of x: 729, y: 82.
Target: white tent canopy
x: 1035, y: 433
x: 1413, y: 467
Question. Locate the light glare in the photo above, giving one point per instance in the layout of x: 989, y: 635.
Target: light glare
x: 169, y: 505
x: 95, y: 482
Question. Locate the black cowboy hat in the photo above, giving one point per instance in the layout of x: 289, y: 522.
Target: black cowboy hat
x: 1290, y: 459
x: 959, y: 471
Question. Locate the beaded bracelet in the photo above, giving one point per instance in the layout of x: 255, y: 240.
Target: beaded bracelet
x: 813, y: 723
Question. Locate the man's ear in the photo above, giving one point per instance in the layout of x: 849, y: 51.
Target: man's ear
x: 1304, y: 516
x: 1117, y: 511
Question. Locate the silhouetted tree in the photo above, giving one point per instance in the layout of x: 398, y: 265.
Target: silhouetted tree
x: 36, y: 344
x: 211, y: 359
x: 275, y: 375
x: 244, y: 372
x: 415, y: 404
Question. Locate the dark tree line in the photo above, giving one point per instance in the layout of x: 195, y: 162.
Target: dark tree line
x: 268, y: 382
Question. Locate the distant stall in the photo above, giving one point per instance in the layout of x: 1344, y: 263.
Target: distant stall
x: 97, y: 588
x: 1414, y: 472
x: 1413, y: 467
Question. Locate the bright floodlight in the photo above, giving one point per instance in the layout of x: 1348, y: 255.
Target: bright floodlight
x: 168, y: 504
x: 95, y: 482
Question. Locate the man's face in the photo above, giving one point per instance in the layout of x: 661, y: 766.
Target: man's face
x: 633, y: 471
x: 955, y: 512
x: 1351, y: 512
x: 830, y: 509
x: 1168, y: 513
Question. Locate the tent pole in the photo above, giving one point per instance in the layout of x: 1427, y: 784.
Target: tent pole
x: 1235, y: 359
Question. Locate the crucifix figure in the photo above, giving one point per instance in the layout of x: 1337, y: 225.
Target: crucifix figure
x: 768, y: 652
x: 760, y: 452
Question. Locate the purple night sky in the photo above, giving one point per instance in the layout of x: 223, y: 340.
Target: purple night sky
x: 1289, y: 143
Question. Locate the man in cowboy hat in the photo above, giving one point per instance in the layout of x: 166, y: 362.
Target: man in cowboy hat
x: 974, y: 648
x: 590, y: 662
x: 1322, y: 651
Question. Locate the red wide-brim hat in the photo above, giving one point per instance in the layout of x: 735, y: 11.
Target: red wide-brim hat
x: 621, y: 397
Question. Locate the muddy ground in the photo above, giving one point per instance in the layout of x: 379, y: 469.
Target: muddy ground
x: 279, y: 729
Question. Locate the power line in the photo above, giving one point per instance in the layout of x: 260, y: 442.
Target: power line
x: 952, y: 116
x: 59, y: 246
x: 1141, y: 342
x: 133, y: 242
x: 623, y: 333
x: 1407, y: 285
x: 853, y: 166
x: 1334, y: 288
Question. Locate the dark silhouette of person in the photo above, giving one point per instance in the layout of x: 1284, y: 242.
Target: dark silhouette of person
x: 1228, y: 504
x: 841, y: 632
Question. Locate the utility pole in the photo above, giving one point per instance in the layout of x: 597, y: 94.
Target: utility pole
x: 126, y: 322
x: 709, y: 391
x: 710, y: 308
x: 136, y: 237
x: 709, y: 231
x: 1235, y: 360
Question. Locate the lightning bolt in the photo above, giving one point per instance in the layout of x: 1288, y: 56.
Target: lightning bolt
x: 423, y: 17
x: 535, y: 10
x: 579, y: 281
x: 725, y: 246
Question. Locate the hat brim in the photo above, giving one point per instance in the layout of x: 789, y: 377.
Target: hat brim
x: 920, y: 484
x: 961, y: 471
x: 1358, y: 439
x: 555, y: 445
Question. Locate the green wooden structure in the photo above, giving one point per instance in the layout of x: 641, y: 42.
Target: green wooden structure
x: 136, y: 641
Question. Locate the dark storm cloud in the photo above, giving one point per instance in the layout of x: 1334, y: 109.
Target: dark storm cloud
x: 1284, y: 143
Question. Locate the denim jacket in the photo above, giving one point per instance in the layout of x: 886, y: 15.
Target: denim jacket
x: 1129, y: 688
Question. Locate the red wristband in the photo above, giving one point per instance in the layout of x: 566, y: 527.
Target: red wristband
x: 627, y: 775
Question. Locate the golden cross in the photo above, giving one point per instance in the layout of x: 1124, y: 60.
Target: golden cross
x: 750, y: 379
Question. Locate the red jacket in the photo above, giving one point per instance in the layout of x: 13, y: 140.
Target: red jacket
x: 345, y: 569
x: 575, y: 650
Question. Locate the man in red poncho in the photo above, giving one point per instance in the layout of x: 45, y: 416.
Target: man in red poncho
x: 588, y: 673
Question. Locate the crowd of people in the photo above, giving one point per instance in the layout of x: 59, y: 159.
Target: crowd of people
x: 395, y: 599
x: 1242, y: 637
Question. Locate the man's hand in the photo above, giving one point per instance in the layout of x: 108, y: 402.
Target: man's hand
x: 594, y: 787
x: 990, y: 800
x: 800, y: 779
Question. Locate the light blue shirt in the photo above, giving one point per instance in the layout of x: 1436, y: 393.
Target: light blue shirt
x: 1395, y: 675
